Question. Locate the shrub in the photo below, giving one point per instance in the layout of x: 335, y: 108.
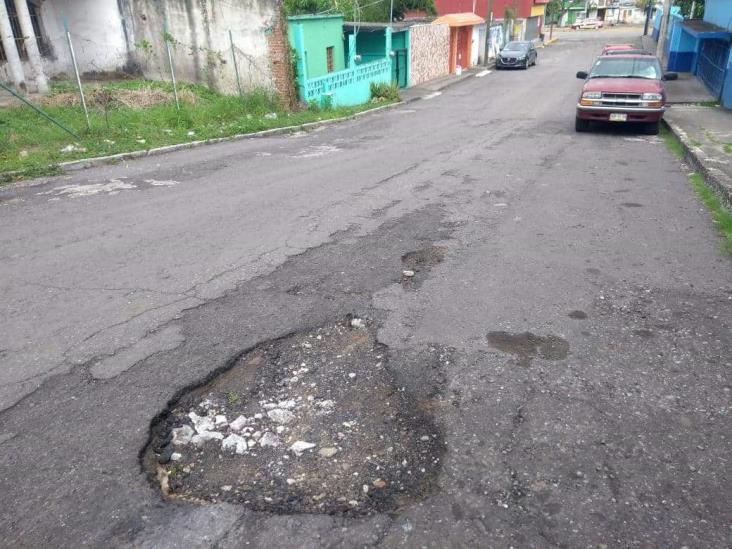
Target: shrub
x: 382, y: 91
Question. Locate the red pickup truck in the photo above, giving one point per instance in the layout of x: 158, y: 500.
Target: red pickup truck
x: 623, y: 89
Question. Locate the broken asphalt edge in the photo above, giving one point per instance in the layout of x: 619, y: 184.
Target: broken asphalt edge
x: 75, y: 165
x: 720, y: 182
x: 115, y: 158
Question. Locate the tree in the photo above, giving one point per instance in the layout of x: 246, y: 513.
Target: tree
x: 362, y: 10
x: 686, y: 6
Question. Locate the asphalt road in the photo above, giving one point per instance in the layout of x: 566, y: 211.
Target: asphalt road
x: 125, y: 284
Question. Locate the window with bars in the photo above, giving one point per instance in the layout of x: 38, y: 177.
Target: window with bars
x: 18, y: 34
x: 329, y: 57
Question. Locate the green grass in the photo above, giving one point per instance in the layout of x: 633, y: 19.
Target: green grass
x: 713, y: 103
x: 31, y: 146
x: 672, y: 142
x: 721, y: 216
x: 728, y: 148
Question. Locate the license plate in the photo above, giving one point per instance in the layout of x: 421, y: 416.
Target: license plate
x: 618, y: 117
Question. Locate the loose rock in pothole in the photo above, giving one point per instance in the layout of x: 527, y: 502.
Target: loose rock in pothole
x: 312, y: 423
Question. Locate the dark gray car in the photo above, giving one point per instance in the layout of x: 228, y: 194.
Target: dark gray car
x: 516, y: 55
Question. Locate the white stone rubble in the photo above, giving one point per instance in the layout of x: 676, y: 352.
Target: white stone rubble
x: 235, y: 443
x: 183, y: 435
x: 281, y: 416
x: 300, y: 446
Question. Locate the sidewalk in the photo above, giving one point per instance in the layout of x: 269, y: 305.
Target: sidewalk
x: 426, y: 88
x: 706, y: 135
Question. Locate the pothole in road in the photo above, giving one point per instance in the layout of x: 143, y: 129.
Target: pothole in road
x: 311, y: 423
x: 420, y: 261
x: 526, y: 346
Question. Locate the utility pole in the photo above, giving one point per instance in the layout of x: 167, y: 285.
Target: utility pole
x: 488, y: 21
x: 661, y: 49
x: 649, y: 8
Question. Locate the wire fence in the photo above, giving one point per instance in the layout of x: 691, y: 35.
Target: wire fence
x: 79, y: 59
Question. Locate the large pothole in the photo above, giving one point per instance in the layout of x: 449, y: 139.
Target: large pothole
x: 314, y: 422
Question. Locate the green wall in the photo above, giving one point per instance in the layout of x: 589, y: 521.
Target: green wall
x: 371, y: 46
x: 310, y: 35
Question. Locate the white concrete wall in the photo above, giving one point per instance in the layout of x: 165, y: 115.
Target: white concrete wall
x: 108, y: 35
x: 200, y: 40
x: 475, y: 45
x: 96, y: 31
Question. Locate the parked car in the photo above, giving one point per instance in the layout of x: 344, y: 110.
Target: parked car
x: 637, y: 51
x: 516, y: 55
x: 623, y: 89
x: 588, y: 23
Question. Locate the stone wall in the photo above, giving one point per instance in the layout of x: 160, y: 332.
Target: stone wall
x: 429, y: 52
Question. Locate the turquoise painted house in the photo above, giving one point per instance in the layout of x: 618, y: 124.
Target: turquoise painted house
x: 704, y: 47
x: 370, y: 41
x: 330, y: 72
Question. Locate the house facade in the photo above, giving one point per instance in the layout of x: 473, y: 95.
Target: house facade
x: 703, y: 47
x: 462, y: 38
x: 330, y: 72
x: 117, y: 38
x: 528, y: 15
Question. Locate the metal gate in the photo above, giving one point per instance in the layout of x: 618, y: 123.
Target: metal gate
x: 399, y: 68
x: 532, y: 28
x: 713, y: 55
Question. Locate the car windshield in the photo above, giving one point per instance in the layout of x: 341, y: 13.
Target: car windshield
x: 516, y: 46
x: 629, y: 67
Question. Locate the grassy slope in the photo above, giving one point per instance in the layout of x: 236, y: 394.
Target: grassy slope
x: 721, y: 216
x: 32, y: 145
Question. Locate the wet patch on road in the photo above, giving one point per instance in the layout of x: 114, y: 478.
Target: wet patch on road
x: 526, y: 346
x: 631, y: 205
x: 315, y: 422
x: 577, y: 315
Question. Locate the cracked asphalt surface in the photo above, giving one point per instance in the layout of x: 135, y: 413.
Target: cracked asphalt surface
x: 125, y: 285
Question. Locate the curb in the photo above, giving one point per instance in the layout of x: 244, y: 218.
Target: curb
x: 74, y: 165
x: 462, y: 78
x: 720, y: 182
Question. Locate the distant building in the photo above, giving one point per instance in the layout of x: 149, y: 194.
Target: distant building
x: 703, y: 47
x: 530, y: 13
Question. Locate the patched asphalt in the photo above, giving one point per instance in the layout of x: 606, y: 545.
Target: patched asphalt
x: 554, y: 307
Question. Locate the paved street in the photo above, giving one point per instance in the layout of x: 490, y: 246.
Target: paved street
x: 579, y: 298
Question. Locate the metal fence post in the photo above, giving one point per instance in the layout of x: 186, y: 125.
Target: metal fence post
x: 166, y: 37
x: 39, y: 111
x: 76, y: 72
x: 236, y: 66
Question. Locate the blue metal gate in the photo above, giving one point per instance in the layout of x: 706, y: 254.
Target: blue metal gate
x: 713, y: 55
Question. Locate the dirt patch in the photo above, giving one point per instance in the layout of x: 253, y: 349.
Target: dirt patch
x: 312, y: 423
x: 526, y: 346
x: 136, y: 99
